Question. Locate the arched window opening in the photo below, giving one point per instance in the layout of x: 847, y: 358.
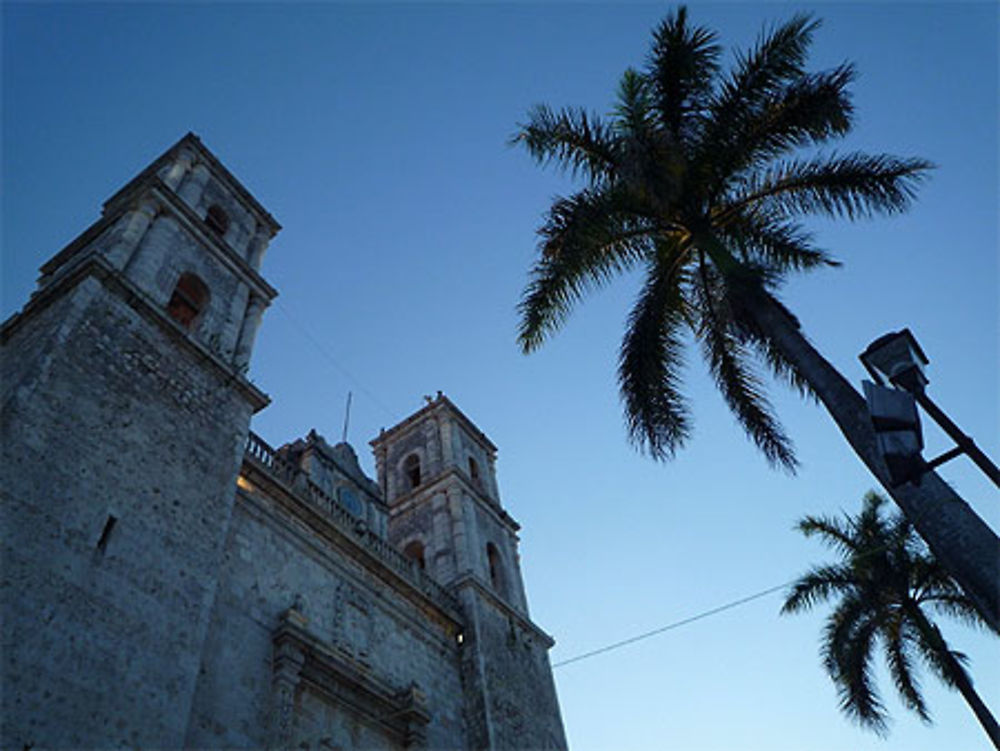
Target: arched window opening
x: 496, y: 568
x: 217, y: 220
x: 415, y: 552
x: 188, y: 301
x: 411, y: 468
x: 474, y: 472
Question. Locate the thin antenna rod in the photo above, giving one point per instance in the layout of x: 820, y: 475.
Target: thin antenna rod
x: 347, y: 417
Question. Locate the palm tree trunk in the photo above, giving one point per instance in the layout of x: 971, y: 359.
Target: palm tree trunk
x: 956, y: 535
x: 958, y: 675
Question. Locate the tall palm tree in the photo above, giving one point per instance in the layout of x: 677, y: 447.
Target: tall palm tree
x: 698, y: 178
x: 885, y: 585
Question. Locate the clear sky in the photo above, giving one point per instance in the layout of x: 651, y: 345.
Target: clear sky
x: 376, y: 134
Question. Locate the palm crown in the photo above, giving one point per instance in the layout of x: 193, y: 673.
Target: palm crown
x: 886, y: 585
x: 698, y: 178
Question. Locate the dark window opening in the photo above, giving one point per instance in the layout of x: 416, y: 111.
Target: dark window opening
x: 474, y: 472
x: 415, y: 552
x: 189, y: 299
x: 217, y: 220
x: 102, y: 542
x: 411, y: 468
x: 496, y: 568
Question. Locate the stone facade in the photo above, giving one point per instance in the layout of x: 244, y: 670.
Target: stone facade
x: 170, y: 580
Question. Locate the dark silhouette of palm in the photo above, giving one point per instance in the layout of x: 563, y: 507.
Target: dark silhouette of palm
x: 698, y: 179
x: 883, y: 588
x: 689, y: 181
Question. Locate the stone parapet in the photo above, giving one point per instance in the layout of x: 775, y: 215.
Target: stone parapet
x: 298, y: 485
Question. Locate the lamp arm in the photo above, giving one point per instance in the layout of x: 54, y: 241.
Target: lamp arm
x: 964, y: 442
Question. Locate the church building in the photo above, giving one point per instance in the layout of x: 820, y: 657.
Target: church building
x: 170, y: 580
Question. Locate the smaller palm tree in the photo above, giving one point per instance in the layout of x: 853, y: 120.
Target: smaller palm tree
x: 886, y: 584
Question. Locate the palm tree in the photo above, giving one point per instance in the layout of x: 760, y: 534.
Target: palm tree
x: 697, y: 178
x: 884, y: 585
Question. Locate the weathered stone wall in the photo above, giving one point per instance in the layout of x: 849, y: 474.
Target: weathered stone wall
x: 106, y: 417
x: 466, y: 447
x: 490, y: 530
x: 429, y: 522
x: 272, y: 563
x: 423, y: 440
x: 166, y: 251
x: 509, y: 667
x: 242, y: 224
x: 322, y: 726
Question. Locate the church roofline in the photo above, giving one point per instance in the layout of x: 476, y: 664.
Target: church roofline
x: 440, y: 403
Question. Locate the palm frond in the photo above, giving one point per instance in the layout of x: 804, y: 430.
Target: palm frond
x: 634, y: 110
x: 859, y: 696
x: 586, y: 240
x: 818, y: 585
x: 779, y: 244
x: 936, y: 652
x: 957, y: 606
x: 649, y: 365
x: 771, y: 354
x: 851, y: 186
x: 682, y: 66
x: 645, y: 162
x: 898, y: 658
x: 833, y: 533
x: 813, y: 109
x: 572, y: 139
x: 762, y: 103
x: 741, y: 387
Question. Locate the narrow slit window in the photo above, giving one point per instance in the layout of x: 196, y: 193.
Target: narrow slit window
x: 109, y: 525
x: 474, y: 472
x: 496, y: 569
x: 411, y: 468
x: 217, y: 220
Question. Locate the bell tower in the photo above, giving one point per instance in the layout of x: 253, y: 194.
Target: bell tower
x: 126, y: 410
x: 437, y: 473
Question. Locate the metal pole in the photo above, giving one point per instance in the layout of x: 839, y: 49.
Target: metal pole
x: 964, y: 442
x: 347, y: 418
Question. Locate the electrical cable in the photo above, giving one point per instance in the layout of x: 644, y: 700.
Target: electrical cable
x: 713, y: 611
x: 675, y: 624
x: 333, y: 360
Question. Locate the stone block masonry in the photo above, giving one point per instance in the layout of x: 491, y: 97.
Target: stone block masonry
x: 169, y: 580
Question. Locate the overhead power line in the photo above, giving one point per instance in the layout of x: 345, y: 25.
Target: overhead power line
x: 720, y: 608
x: 675, y: 624
x: 322, y: 350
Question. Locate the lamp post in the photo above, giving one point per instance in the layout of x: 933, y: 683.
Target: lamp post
x: 898, y: 359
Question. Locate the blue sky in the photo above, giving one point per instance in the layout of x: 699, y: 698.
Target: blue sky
x: 376, y: 134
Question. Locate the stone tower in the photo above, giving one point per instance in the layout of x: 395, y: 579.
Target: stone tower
x: 126, y: 410
x: 437, y: 474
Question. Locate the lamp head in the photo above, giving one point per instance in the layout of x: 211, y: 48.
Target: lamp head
x: 898, y: 359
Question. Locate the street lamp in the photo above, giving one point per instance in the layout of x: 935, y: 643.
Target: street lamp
x: 898, y: 359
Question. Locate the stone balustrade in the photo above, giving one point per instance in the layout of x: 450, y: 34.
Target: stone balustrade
x: 297, y: 482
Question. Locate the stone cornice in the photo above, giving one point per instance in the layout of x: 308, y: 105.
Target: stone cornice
x: 438, y: 483
x: 399, y: 710
x: 441, y: 404
x: 190, y: 140
x: 154, y: 187
x: 96, y: 266
x: 471, y: 582
x: 222, y: 250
